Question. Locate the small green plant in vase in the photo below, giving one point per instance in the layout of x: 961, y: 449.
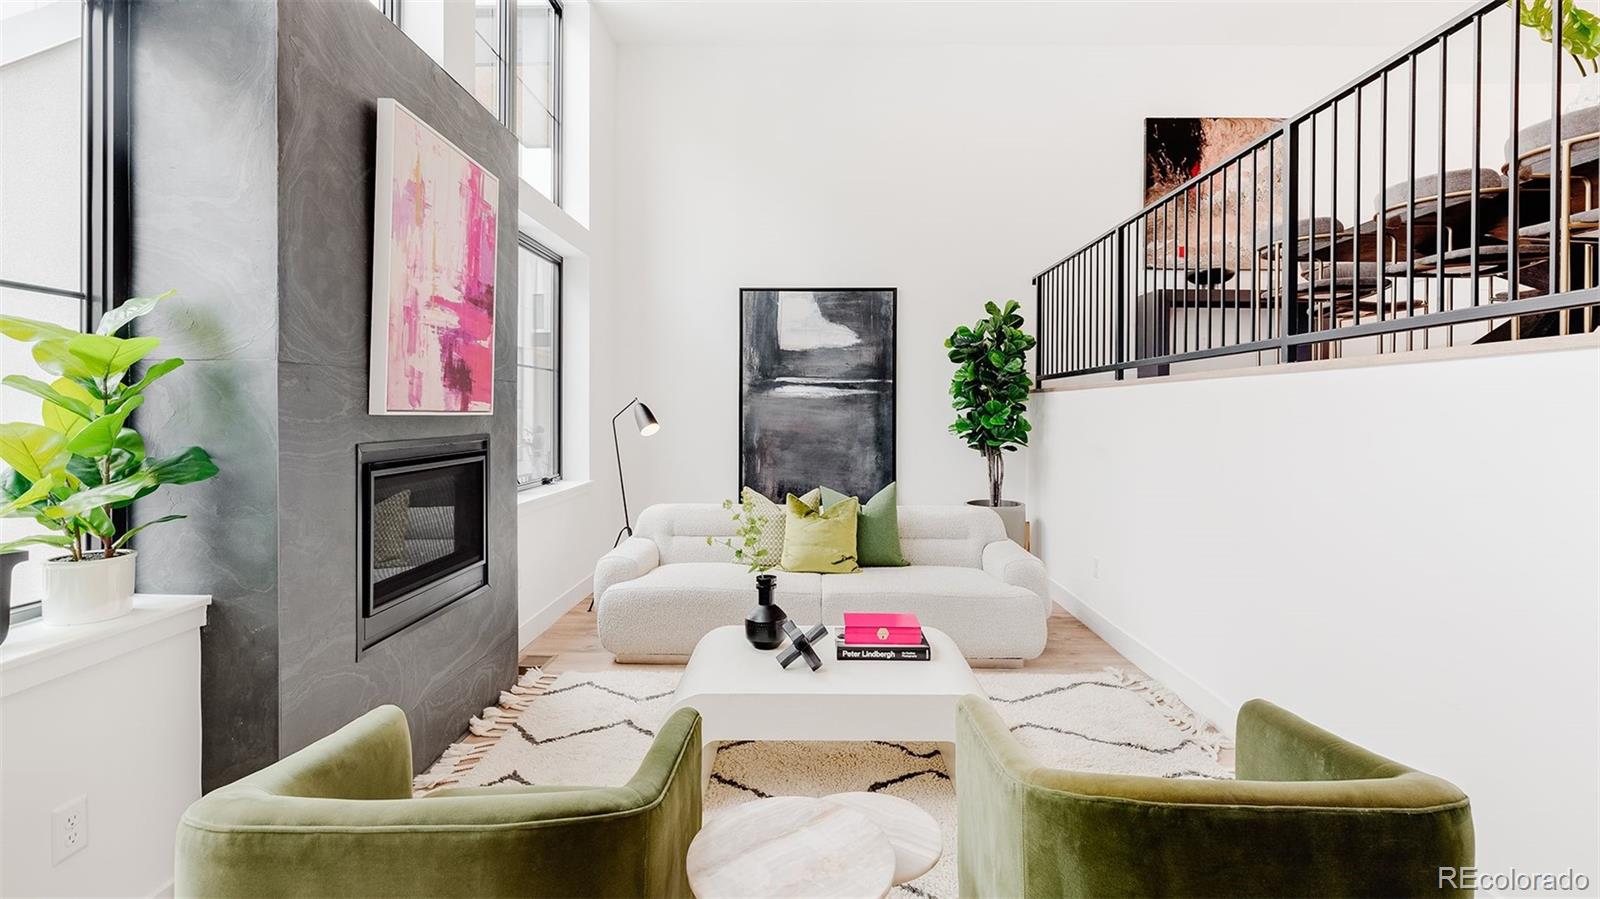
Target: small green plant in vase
x: 747, y: 537
x: 81, y: 462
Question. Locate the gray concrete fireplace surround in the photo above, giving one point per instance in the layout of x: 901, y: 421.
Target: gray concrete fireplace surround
x: 253, y: 126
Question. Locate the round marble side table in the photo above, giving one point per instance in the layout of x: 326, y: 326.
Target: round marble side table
x: 791, y: 847
x: 911, y: 831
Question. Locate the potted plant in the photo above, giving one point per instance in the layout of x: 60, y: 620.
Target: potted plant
x: 1580, y: 40
x: 81, y: 462
x: 990, y: 391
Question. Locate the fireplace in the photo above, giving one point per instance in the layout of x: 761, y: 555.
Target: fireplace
x: 422, y: 528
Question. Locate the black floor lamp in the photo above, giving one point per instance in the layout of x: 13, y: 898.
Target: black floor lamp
x: 647, y: 425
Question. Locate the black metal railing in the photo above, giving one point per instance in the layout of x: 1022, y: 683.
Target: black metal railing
x: 1275, y: 255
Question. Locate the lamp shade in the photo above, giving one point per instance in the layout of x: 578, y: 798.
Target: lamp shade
x: 645, y: 419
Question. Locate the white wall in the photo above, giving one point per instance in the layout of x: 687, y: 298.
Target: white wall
x: 1404, y: 554
x: 952, y: 172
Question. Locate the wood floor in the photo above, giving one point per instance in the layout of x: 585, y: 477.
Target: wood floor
x: 571, y: 644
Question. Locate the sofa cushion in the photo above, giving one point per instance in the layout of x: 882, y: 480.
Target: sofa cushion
x: 670, y: 608
x: 877, y: 527
x: 986, y: 618
x: 820, y: 540
x: 769, y: 539
x: 929, y: 535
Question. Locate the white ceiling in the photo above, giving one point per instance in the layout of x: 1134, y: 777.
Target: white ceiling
x: 1385, y: 23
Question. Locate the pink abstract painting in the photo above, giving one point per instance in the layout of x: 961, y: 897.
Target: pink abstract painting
x: 433, y: 284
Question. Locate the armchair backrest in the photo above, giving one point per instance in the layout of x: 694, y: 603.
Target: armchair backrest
x: 929, y: 534
x: 338, y: 819
x: 1358, y: 825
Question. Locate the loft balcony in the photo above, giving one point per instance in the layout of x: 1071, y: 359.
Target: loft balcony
x: 1449, y: 196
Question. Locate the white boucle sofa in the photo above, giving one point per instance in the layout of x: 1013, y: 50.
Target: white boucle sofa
x: 663, y: 589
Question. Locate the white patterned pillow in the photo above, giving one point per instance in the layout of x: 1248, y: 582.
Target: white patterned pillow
x: 771, y: 536
x: 769, y: 542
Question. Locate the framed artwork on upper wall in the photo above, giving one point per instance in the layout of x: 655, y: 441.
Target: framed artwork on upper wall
x: 1177, y: 149
x: 817, y: 390
x: 435, y: 212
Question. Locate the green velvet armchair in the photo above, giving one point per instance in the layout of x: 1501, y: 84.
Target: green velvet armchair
x: 337, y: 819
x: 1310, y: 815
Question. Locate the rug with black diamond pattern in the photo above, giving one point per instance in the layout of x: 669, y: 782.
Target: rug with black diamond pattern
x: 592, y: 728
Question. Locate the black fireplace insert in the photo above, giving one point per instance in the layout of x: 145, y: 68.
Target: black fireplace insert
x: 422, y: 525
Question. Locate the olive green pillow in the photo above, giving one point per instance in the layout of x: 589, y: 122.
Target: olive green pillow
x: 769, y: 539
x: 877, y: 528
x: 820, y: 540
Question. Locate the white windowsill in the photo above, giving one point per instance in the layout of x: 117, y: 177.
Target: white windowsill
x: 552, y: 494
x: 36, y: 652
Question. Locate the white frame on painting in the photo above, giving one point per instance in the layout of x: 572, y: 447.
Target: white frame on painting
x: 386, y: 302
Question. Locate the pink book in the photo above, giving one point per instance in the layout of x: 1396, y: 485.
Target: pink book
x: 868, y: 628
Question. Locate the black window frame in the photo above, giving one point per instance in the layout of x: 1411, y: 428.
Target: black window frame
x: 104, y: 178
x: 526, y: 242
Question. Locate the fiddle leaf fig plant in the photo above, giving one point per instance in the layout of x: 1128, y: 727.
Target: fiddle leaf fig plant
x: 990, y: 387
x: 81, y: 462
x: 1580, y: 29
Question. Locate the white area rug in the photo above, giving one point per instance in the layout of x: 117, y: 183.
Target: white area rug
x: 593, y: 729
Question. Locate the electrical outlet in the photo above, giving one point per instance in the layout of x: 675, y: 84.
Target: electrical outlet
x: 69, y: 829
x: 1097, y: 568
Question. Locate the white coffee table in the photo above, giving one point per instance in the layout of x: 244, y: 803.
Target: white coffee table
x: 742, y: 694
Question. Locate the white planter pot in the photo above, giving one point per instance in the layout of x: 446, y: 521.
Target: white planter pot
x: 88, y: 591
x: 1013, y: 513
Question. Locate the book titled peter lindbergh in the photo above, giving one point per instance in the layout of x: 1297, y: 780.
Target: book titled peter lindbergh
x: 881, y: 652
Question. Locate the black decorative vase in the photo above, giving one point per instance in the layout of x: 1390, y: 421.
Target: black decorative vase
x: 8, y: 561
x: 763, y: 627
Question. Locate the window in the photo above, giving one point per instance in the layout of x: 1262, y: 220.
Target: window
x: 537, y: 86
x: 62, y: 192
x: 514, y: 69
x: 538, y: 364
x: 488, y: 55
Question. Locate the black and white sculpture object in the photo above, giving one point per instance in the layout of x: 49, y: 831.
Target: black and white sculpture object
x: 800, y: 644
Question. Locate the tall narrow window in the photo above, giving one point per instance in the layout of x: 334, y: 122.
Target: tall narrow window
x: 538, y: 364
x: 488, y: 54
x: 537, y: 84
x: 62, y: 198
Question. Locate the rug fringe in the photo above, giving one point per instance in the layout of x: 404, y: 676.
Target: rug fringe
x: 459, y: 757
x: 1207, y: 737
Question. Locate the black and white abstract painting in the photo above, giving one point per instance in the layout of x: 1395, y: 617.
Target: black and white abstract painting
x: 816, y: 401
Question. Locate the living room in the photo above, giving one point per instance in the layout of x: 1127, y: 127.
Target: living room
x: 1269, y: 522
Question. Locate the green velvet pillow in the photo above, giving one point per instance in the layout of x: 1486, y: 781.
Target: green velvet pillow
x: 877, y: 528
x: 820, y: 540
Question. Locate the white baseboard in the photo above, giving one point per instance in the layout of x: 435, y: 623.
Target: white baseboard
x: 540, y: 621
x: 1196, y: 695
